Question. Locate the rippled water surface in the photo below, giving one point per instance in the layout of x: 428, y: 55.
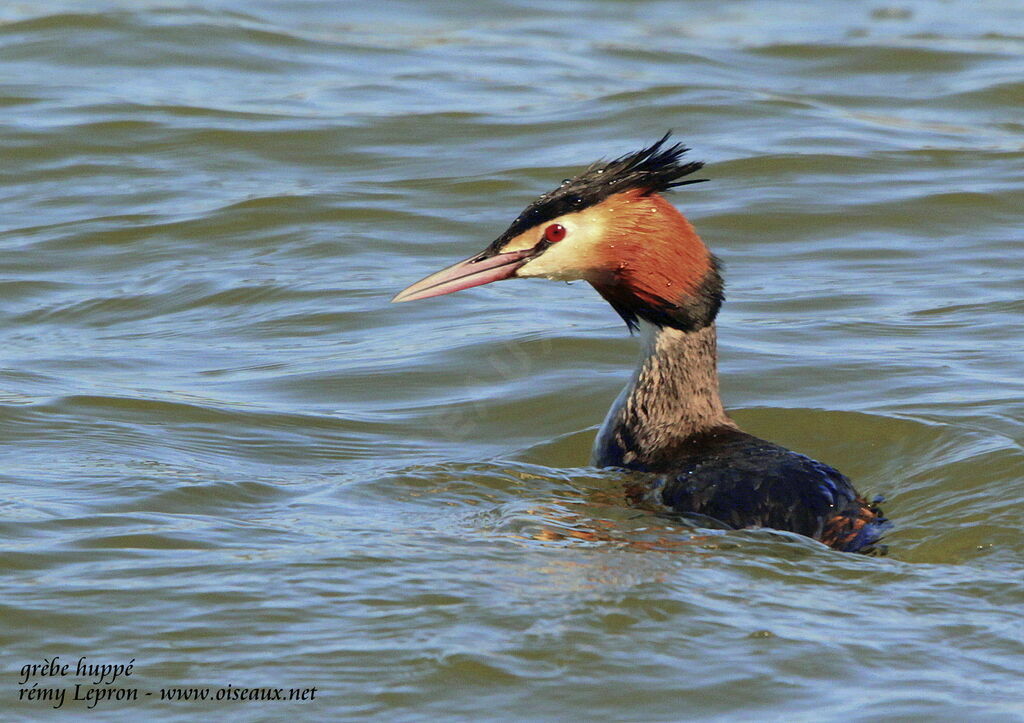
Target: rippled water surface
x: 228, y: 458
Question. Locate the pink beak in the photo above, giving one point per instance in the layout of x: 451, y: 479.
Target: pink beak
x: 474, y: 271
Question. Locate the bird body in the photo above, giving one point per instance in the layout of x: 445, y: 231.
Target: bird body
x: 611, y: 227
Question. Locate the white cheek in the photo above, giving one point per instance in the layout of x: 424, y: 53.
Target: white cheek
x: 558, y: 263
x: 566, y: 260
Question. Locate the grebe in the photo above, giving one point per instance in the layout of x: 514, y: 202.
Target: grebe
x: 611, y: 227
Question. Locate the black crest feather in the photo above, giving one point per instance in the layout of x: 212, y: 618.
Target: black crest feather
x: 652, y: 169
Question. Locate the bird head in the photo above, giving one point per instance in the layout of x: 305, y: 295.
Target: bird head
x: 611, y: 227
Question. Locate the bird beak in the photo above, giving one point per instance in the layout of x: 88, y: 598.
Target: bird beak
x: 476, y: 271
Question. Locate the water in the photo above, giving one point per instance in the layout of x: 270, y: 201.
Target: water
x: 228, y: 459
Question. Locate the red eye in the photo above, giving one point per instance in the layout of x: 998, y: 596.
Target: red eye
x: 554, y: 233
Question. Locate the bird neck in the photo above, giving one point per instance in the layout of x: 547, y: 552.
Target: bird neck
x: 671, y: 400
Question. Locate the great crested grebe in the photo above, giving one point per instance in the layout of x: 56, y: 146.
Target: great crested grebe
x: 611, y: 227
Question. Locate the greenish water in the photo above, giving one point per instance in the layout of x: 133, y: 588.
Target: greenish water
x: 227, y: 457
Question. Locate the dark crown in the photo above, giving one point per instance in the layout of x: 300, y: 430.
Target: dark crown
x: 651, y: 170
